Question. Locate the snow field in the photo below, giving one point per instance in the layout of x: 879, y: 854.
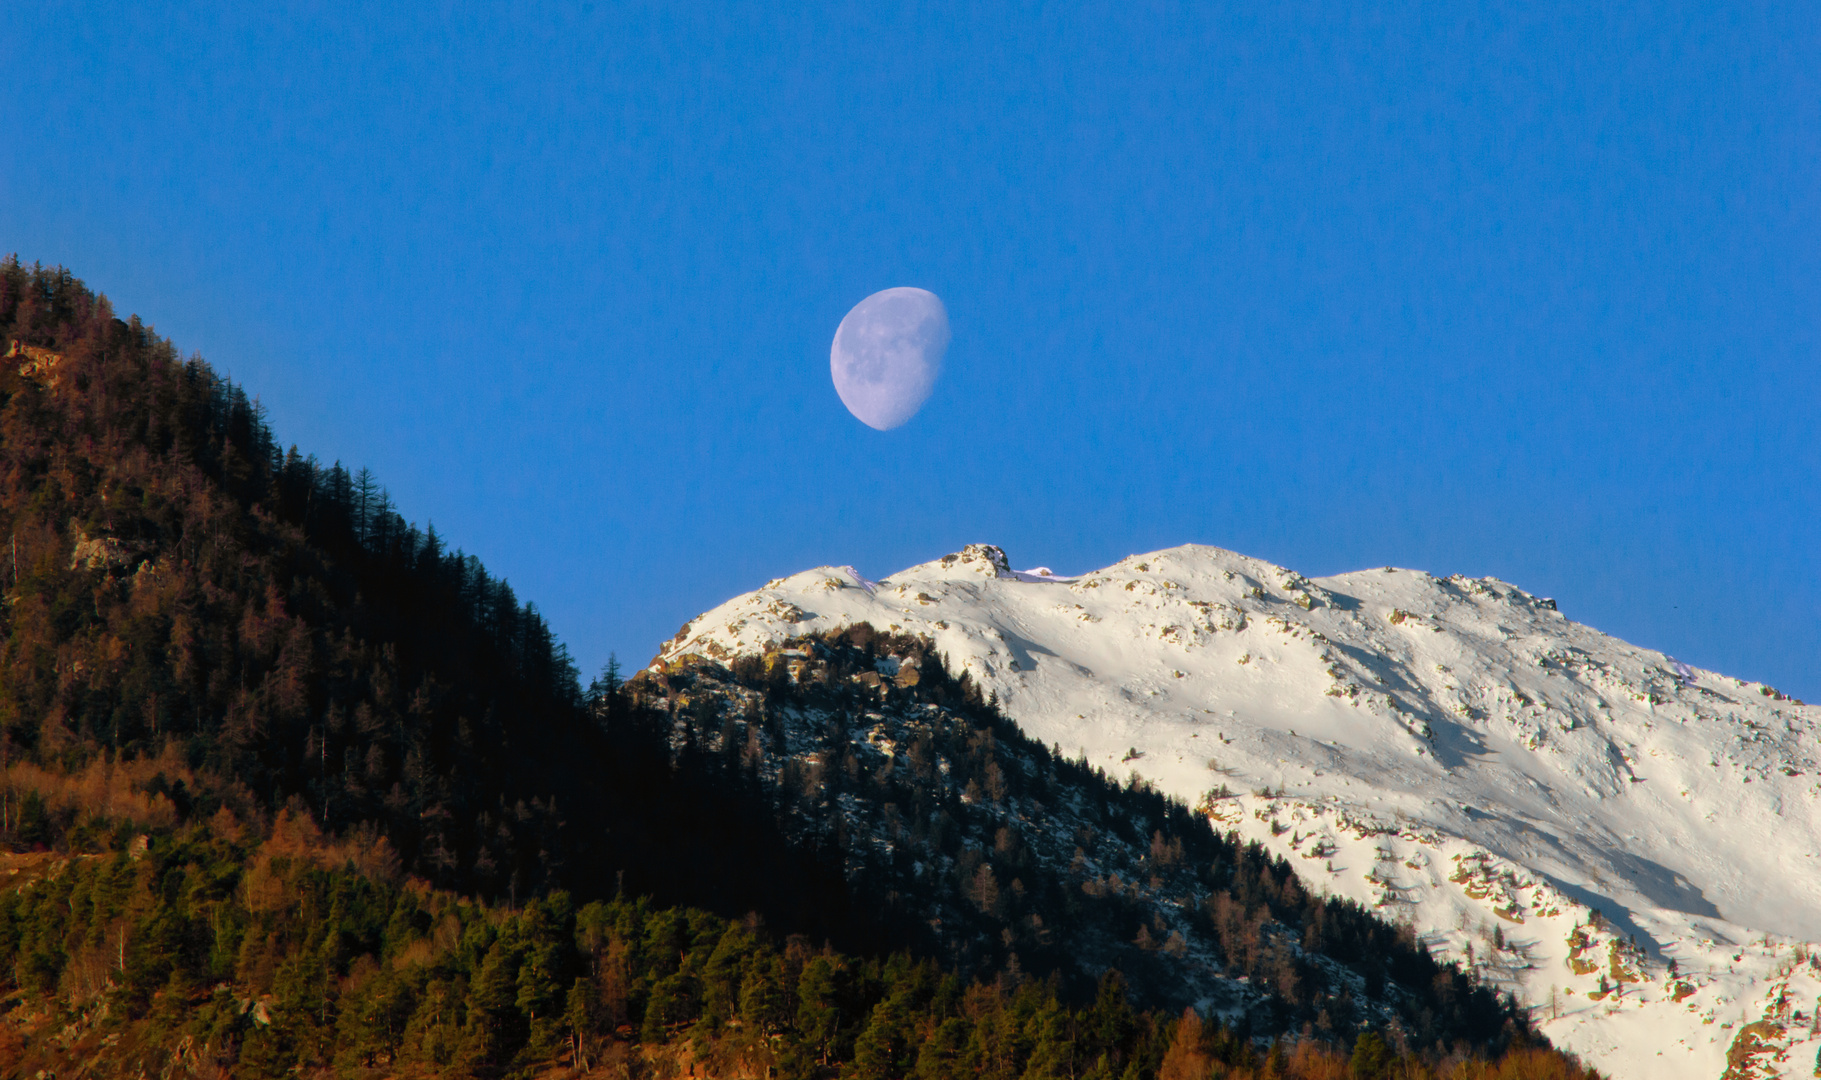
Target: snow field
x: 1452, y: 751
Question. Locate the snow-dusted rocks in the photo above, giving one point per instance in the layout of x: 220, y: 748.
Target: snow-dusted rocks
x: 1631, y: 846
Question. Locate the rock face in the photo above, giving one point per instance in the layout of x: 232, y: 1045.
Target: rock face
x: 855, y: 760
x: 40, y: 364
x: 102, y: 552
x: 1628, y: 844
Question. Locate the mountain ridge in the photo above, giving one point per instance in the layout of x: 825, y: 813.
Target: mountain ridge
x: 1603, y: 793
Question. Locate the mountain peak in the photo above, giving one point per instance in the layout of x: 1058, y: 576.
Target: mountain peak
x: 987, y: 559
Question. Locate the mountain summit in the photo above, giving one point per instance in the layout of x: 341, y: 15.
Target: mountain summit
x: 1622, y: 841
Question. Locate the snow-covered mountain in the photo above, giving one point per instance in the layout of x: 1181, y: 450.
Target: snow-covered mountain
x: 1629, y: 845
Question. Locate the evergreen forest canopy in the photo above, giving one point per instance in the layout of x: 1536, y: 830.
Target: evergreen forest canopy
x: 239, y: 958
x: 291, y: 784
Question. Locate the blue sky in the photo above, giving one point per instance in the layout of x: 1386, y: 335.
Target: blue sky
x: 1528, y: 290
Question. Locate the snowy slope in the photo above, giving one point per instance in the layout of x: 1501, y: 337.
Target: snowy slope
x: 1452, y: 750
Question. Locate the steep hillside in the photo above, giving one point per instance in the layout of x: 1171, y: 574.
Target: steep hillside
x: 1625, y: 842
x: 250, y: 627
x: 995, y: 853
x: 197, y: 620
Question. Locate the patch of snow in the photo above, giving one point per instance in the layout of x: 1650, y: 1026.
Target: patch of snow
x: 1042, y: 573
x: 870, y: 586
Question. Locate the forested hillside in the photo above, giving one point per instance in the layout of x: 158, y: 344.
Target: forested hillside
x: 288, y: 784
x: 208, y: 953
x: 197, y: 619
x: 256, y: 628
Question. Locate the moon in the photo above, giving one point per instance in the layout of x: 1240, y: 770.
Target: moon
x: 887, y: 355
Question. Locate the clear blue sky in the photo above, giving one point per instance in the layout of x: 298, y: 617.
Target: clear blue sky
x: 1529, y: 290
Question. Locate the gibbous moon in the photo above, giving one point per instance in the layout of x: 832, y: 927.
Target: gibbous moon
x: 887, y: 355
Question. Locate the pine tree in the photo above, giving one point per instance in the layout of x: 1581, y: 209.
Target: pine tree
x: 1371, y: 1059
